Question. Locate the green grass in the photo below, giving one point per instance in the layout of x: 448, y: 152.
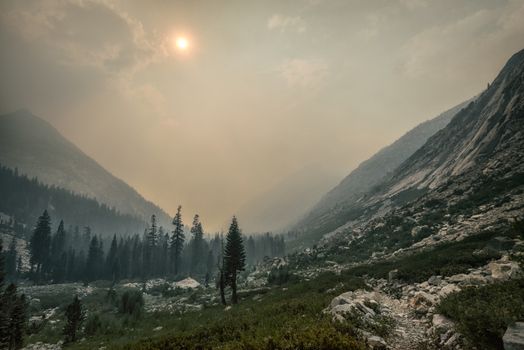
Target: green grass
x: 482, y: 314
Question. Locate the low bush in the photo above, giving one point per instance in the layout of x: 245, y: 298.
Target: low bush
x: 445, y: 260
x: 131, y: 303
x: 482, y: 314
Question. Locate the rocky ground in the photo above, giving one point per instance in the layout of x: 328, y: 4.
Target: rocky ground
x: 411, y: 307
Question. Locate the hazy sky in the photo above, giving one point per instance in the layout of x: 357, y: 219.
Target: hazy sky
x: 264, y: 88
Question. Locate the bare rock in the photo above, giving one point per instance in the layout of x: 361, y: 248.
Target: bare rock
x: 376, y: 342
x: 514, y: 337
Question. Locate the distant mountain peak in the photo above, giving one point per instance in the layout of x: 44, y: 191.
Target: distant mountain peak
x: 37, y: 149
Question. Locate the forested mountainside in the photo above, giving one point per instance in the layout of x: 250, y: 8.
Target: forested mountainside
x: 324, y: 215
x: 23, y: 200
x: 37, y: 149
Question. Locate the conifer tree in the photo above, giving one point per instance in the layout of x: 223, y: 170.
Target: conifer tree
x: 177, y: 240
x: 112, y: 263
x: 57, y: 248
x: 10, y: 261
x: 94, y: 256
x: 234, y: 257
x: 149, y: 246
x: 39, y: 244
x: 221, y: 275
x: 197, y: 234
x: 74, y: 318
x: 17, y: 320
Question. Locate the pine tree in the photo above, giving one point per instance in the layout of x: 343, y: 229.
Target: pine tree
x: 74, y: 318
x: 234, y: 257
x: 39, y: 244
x: 57, y: 248
x: 10, y: 261
x: 150, y: 243
x: 177, y: 240
x: 221, y: 275
x: 136, y: 258
x: 94, y: 258
x: 112, y: 263
x: 197, y: 233
x: 17, y: 320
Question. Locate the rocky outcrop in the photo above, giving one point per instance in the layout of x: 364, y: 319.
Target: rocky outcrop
x: 514, y: 337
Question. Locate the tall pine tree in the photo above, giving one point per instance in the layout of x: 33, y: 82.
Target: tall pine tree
x: 234, y: 257
x: 57, y: 249
x: 39, y: 244
x: 177, y: 240
x: 197, y: 245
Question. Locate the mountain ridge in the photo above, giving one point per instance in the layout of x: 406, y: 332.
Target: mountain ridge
x: 37, y: 149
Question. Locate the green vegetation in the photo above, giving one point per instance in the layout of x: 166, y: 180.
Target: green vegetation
x: 483, y: 314
x: 285, y: 317
x: 75, y: 315
x: 445, y: 259
x: 131, y: 303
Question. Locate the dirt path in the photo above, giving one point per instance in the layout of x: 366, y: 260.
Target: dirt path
x: 409, y: 332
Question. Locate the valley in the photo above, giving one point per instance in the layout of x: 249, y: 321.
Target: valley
x: 420, y: 246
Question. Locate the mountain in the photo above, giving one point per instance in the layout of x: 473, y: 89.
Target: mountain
x: 37, y: 149
x: 484, y: 139
x: 467, y: 178
x: 282, y: 205
x: 23, y: 200
x: 324, y: 215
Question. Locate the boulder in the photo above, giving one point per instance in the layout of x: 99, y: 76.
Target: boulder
x: 392, y: 275
x: 187, y: 283
x: 504, y: 270
x: 441, y: 322
x: 459, y: 278
x: 376, y: 342
x: 514, y: 337
x: 448, y: 289
x: 435, y: 280
x: 345, y: 298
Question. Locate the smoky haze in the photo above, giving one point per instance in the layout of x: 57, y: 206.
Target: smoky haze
x: 262, y: 91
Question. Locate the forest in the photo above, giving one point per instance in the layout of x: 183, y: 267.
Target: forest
x: 72, y: 254
x: 24, y: 199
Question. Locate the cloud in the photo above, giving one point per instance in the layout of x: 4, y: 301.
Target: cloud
x: 302, y: 72
x: 286, y: 23
x: 117, y: 42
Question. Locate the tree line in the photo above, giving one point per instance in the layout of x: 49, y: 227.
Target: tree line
x: 68, y: 255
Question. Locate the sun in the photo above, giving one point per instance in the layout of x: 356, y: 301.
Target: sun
x: 182, y: 43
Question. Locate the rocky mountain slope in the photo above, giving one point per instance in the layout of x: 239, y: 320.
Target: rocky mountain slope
x: 372, y: 172
x: 473, y: 166
x: 37, y: 149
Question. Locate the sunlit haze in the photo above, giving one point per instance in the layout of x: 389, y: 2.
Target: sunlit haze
x: 212, y: 104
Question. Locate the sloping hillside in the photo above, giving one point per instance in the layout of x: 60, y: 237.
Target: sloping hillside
x: 37, y: 149
x: 467, y: 178
x: 24, y: 200
x: 325, y: 215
